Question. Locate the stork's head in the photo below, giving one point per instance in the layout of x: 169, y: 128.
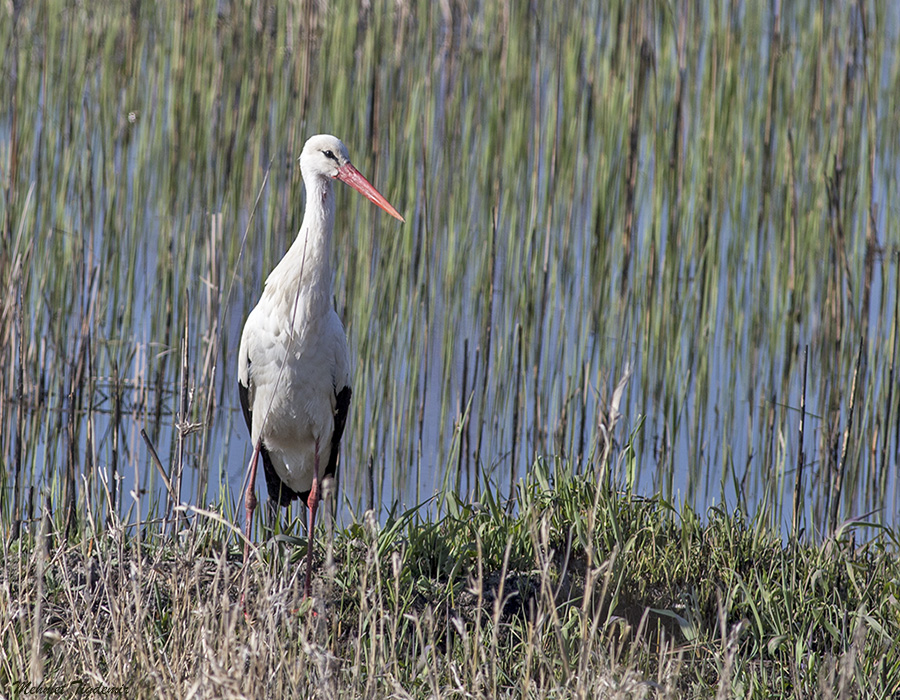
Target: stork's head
x: 326, y: 156
x: 323, y: 155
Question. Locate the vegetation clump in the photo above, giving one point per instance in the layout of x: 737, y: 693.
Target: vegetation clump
x: 579, y: 591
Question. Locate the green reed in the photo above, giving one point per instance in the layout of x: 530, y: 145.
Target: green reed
x: 698, y: 195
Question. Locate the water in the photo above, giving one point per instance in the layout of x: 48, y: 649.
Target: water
x: 163, y: 200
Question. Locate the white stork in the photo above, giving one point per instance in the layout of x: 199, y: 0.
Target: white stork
x: 293, y: 363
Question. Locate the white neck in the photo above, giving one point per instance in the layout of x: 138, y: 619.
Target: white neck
x: 304, y: 273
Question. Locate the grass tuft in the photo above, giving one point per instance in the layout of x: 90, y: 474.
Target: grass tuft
x: 583, y: 592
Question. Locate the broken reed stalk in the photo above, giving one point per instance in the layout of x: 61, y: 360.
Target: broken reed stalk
x: 159, y: 465
x: 838, y: 479
x: 801, y: 457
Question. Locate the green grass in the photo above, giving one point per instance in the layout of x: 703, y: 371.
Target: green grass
x: 585, y: 592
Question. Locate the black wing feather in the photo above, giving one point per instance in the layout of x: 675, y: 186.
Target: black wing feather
x: 340, y: 420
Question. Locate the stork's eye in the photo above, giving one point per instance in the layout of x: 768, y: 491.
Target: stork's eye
x: 330, y: 154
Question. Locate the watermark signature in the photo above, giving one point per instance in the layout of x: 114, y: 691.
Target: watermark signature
x: 70, y: 689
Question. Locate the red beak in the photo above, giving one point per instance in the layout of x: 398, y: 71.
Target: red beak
x: 351, y: 176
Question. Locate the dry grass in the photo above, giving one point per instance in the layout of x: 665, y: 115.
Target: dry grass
x: 585, y: 593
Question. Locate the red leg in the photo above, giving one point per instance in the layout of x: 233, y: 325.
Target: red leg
x: 250, y: 497
x: 312, y: 503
